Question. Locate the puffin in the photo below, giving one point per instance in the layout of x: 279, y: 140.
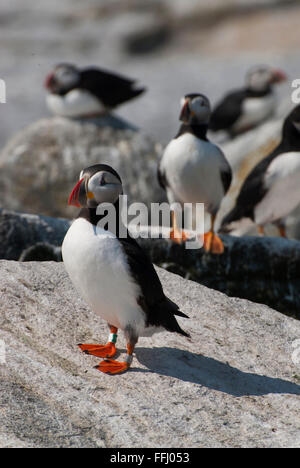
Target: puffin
x: 111, y: 272
x: 272, y: 189
x: 87, y: 92
x: 244, y: 109
x: 195, y: 170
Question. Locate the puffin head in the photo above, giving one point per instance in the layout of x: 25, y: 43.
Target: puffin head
x: 195, y: 109
x: 261, y: 78
x: 62, y: 79
x: 97, y: 184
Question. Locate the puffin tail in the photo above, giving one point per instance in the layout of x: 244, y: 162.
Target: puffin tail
x: 175, y: 309
x: 168, y: 319
x: 137, y: 91
x: 181, y: 314
x: 182, y: 332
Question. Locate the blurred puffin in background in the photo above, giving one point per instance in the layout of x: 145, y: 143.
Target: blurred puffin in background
x: 87, y: 92
x: 244, y: 109
x: 272, y: 189
x: 112, y: 272
x: 194, y: 170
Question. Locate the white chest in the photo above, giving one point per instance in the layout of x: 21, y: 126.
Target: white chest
x: 76, y: 103
x: 192, y: 167
x: 254, y: 111
x: 98, y: 268
x: 282, y: 180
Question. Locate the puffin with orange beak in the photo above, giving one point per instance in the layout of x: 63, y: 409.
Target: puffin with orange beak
x: 194, y: 170
x: 243, y: 109
x: 86, y: 92
x: 111, y: 272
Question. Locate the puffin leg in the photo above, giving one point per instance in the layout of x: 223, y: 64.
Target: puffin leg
x: 212, y: 242
x: 282, y: 231
x: 110, y: 366
x: 261, y: 230
x: 104, y: 351
x: 176, y: 235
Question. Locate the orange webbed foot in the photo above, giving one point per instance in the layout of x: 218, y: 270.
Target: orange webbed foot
x: 103, y: 351
x: 213, y: 243
x: 110, y: 366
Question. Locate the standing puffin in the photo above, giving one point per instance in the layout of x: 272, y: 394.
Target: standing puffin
x: 194, y: 170
x: 272, y: 189
x: 75, y: 92
x: 246, y: 108
x: 112, y: 273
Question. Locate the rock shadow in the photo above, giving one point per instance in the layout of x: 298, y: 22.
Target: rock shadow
x: 211, y: 373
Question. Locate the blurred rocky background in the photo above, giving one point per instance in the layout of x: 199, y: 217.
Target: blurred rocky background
x: 171, y: 46
x: 240, y: 359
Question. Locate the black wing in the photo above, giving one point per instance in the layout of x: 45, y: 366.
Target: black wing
x: 253, y: 190
x: 110, y: 88
x: 161, y: 177
x: 227, y: 112
x: 159, y: 310
x: 226, y: 177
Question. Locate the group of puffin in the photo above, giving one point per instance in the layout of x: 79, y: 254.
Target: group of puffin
x: 112, y: 273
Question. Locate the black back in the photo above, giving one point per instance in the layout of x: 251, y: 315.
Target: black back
x: 111, y: 89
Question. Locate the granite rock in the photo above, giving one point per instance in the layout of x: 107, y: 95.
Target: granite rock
x: 235, y: 383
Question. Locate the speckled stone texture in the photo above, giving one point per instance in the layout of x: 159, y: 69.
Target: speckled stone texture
x: 234, y: 384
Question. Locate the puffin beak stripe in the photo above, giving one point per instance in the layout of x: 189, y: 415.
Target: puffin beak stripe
x: 48, y: 80
x: 184, y: 116
x: 279, y: 76
x: 74, y: 197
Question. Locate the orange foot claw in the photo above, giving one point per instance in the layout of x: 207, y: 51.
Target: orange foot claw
x: 213, y: 243
x: 178, y: 236
x: 108, y: 350
x: 112, y: 367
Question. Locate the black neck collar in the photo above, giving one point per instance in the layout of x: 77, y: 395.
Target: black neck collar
x: 197, y: 130
x: 90, y: 214
x: 252, y: 93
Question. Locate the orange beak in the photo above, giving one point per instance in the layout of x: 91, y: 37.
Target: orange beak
x: 74, y: 197
x: 185, y: 112
x: 48, y: 81
x: 279, y: 76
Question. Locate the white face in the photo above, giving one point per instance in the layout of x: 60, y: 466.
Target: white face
x: 200, y: 109
x: 67, y: 76
x: 259, y: 79
x: 103, y: 187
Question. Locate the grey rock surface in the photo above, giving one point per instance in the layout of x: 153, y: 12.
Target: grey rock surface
x: 40, y: 165
x: 233, y: 384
